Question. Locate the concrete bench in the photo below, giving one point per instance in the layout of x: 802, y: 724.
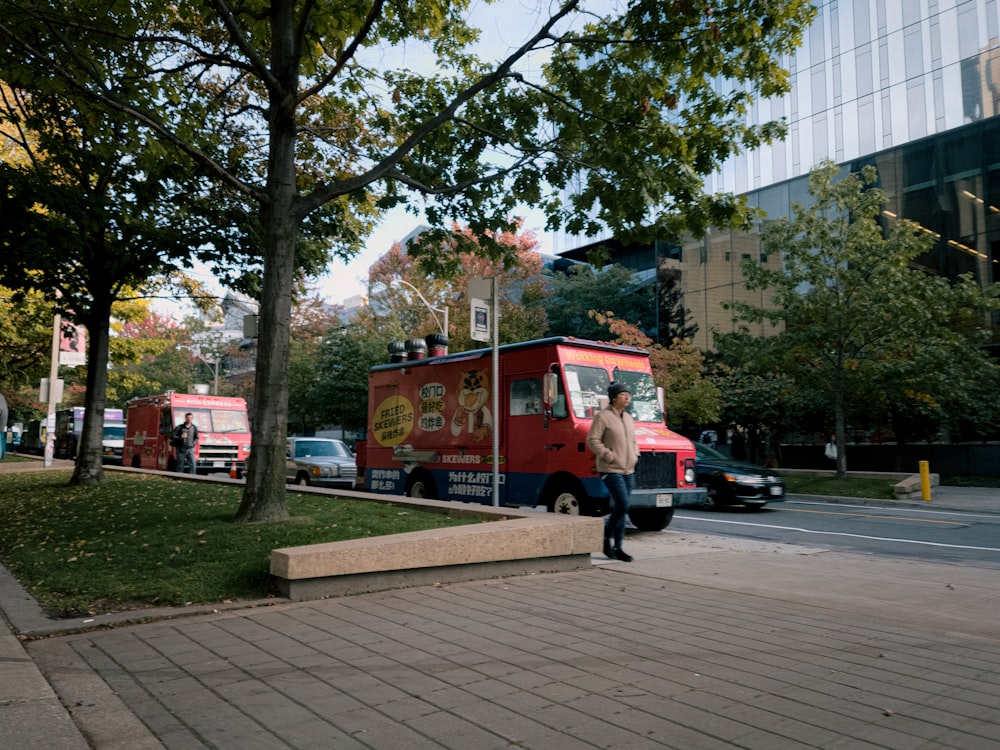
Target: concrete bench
x: 507, y: 542
x: 910, y: 488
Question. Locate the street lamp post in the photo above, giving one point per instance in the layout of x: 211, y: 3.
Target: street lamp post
x: 213, y: 363
x: 434, y: 310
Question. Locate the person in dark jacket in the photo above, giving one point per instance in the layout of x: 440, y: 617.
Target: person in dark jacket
x: 185, y: 438
x: 613, y: 442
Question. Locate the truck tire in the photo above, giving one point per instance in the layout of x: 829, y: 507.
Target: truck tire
x: 136, y: 461
x: 567, y: 497
x: 651, y: 519
x: 421, y: 485
x: 565, y: 502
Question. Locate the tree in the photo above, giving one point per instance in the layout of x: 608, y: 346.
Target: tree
x: 859, y: 318
x: 312, y: 322
x: 92, y: 211
x: 26, y: 343
x: 347, y: 354
x: 611, y: 291
x: 672, y: 318
x: 676, y: 368
x: 25, y: 338
x: 397, y: 278
x: 521, y: 287
x: 295, y: 108
x: 147, y: 357
x: 760, y: 397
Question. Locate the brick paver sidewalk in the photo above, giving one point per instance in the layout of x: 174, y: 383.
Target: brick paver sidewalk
x: 596, y: 659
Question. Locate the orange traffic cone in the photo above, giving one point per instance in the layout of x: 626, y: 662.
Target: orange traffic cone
x: 232, y: 471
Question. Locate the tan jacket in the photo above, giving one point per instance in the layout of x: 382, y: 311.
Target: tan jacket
x: 613, y: 442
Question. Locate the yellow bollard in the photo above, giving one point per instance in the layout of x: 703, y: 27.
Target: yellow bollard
x: 925, y: 480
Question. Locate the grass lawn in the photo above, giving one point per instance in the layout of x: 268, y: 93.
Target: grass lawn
x: 141, y: 541
x: 15, y: 459
x: 876, y: 489
x: 812, y: 484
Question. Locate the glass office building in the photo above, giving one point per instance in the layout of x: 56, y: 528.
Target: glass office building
x: 910, y: 86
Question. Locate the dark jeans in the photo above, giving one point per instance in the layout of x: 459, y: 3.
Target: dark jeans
x: 185, y: 460
x: 620, y: 486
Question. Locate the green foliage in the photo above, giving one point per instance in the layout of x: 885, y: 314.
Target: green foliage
x: 142, y: 541
x: 862, y: 325
x: 312, y: 322
x: 759, y: 396
x: 92, y: 210
x: 303, y: 120
x: 688, y: 396
x: 611, y: 290
x: 25, y: 338
x: 649, y: 73
x: 146, y: 357
x: 346, y: 356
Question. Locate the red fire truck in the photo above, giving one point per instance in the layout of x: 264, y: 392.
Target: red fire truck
x: 223, y: 432
x: 430, y: 430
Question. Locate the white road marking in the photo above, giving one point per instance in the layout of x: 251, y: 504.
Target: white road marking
x: 839, y: 533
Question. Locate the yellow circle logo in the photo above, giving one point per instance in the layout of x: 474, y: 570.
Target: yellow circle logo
x: 393, y: 421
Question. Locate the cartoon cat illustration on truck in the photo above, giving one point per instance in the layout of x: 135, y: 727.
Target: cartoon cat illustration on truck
x: 472, y: 415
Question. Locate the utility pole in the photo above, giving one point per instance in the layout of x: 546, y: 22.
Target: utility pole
x: 50, y: 421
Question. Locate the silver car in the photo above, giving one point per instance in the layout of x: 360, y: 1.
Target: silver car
x: 320, y: 462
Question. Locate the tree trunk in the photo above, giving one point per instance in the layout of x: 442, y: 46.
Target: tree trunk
x: 89, y: 468
x: 264, y: 496
x: 840, y: 427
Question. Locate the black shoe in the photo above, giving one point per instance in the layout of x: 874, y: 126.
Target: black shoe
x: 623, y: 555
x: 609, y: 551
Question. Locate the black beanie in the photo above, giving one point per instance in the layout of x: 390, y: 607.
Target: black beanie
x: 615, y: 388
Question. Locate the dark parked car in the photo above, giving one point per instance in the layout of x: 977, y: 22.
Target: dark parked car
x: 320, y: 462
x: 732, y: 482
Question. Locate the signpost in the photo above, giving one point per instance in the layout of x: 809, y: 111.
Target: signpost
x: 484, y: 296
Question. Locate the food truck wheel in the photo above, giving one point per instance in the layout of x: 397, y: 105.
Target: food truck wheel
x: 420, y: 484
x: 568, y: 499
x: 650, y: 519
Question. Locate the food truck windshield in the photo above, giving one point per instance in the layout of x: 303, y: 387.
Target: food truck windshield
x: 587, y: 385
x: 214, y: 420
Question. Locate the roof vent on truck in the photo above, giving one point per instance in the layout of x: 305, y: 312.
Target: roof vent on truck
x: 437, y: 344
x: 415, y: 349
x: 397, y: 351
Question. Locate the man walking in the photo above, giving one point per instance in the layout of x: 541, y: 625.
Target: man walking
x: 185, y: 438
x: 613, y: 442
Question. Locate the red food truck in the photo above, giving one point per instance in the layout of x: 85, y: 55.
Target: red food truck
x: 223, y: 432
x: 430, y: 430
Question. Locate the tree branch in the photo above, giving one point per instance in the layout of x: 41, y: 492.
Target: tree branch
x: 348, y: 53
x: 389, y: 166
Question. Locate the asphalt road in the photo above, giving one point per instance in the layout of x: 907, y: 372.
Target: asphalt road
x: 960, y: 537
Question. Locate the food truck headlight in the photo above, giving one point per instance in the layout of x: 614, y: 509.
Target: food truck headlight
x: 690, y: 474
x: 246, y: 449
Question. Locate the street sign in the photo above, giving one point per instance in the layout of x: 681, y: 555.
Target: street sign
x: 481, y: 312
